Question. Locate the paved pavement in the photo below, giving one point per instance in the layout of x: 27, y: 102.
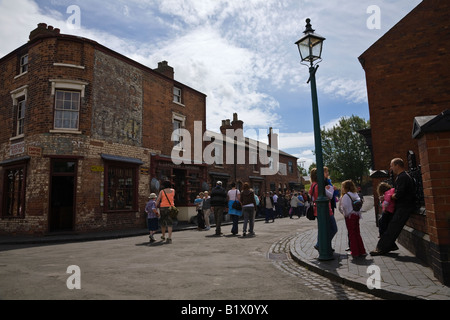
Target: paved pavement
x: 403, y: 276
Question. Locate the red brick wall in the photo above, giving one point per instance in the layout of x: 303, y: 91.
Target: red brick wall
x: 135, y: 101
x: 435, y: 157
x: 408, y: 75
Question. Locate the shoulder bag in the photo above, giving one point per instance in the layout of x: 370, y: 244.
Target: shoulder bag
x: 173, y: 211
x: 236, y: 204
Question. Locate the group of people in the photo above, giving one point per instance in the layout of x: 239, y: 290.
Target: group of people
x: 397, y: 202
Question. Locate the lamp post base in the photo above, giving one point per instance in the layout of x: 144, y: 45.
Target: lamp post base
x: 323, y: 219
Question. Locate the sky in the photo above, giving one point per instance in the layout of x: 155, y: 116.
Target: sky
x: 241, y: 54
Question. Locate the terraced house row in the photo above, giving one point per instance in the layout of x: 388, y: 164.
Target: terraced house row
x: 87, y: 135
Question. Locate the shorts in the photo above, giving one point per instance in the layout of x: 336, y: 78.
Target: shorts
x: 165, y: 220
x: 152, y: 224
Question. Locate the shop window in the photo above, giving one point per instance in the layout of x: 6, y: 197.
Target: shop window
x: 14, y: 192
x: 121, y: 187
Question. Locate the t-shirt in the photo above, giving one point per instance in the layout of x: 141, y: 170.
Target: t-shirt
x: 232, y: 194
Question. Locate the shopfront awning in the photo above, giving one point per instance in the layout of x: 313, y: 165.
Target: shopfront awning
x: 109, y: 157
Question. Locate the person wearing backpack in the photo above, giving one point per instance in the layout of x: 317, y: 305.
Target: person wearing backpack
x: 350, y: 206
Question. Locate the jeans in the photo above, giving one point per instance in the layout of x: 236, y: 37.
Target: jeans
x: 269, y: 214
x: 235, y: 227
x: 332, y: 231
x: 249, y: 218
x: 218, y: 217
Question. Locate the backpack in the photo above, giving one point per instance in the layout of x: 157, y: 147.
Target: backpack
x: 356, y: 204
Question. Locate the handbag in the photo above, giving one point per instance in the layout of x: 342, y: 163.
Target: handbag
x: 173, y: 211
x: 310, y: 210
x: 236, y: 204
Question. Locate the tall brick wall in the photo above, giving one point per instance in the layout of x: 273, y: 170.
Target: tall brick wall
x: 435, y: 158
x: 408, y: 75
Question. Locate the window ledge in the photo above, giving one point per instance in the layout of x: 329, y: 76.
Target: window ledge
x: 20, y: 75
x: 20, y: 136
x: 179, y: 104
x: 65, y: 131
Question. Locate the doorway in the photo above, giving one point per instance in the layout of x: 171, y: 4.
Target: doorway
x: 62, y: 195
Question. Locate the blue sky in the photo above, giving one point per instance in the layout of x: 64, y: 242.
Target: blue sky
x: 241, y: 54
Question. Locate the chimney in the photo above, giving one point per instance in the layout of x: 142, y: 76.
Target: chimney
x: 237, y: 124
x: 226, y: 124
x: 165, y: 69
x: 270, y: 135
x: 43, y: 30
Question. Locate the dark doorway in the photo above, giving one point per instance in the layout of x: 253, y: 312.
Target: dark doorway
x: 179, y: 181
x: 62, y: 199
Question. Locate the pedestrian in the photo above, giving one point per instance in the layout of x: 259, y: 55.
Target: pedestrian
x: 387, y: 205
x: 269, y: 207
x: 314, y: 193
x: 404, y: 197
x: 352, y: 217
x: 199, y: 206
x: 166, y: 199
x: 207, y: 210
x: 294, y: 205
x: 301, y: 205
x: 330, y: 187
x: 152, y: 216
x: 234, y: 195
x: 218, y: 205
x: 248, y: 209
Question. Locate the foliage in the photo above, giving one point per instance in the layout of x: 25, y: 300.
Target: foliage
x: 345, y: 152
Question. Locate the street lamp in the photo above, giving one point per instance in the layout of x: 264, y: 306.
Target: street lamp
x: 310, y: 48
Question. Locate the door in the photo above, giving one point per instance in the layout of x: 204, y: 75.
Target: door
x: 62, y: 196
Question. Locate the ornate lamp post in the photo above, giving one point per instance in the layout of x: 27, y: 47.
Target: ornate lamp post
x: 310, y: 47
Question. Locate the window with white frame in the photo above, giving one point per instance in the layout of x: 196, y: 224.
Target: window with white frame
x: 67, y: 109
x: 177, y: 95
x: 24, y: 64
x: 178, y: 123
x: 176, y: 137
x: 20, y: 117
x: 19, y: 97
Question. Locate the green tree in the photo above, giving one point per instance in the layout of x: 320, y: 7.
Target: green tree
x: 345, y: 152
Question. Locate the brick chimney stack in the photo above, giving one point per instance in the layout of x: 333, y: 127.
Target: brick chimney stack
x: 237, y: 124
x: 226, y: 124
x: 165, y: 69
x: 43, y: 30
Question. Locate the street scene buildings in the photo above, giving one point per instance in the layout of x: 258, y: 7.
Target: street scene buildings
x: 87, y: 134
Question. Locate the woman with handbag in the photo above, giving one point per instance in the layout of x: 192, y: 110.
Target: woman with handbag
x: 234, y: 207
x: 166, y: 201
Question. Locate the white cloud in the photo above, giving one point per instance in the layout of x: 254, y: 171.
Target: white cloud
x: 240, y: 53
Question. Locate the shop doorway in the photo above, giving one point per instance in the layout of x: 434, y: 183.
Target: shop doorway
x: 62, y: 196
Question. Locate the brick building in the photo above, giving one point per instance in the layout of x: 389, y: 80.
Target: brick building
x: 408, y: 78
x: 257, y: 165
x: 83, y: 128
